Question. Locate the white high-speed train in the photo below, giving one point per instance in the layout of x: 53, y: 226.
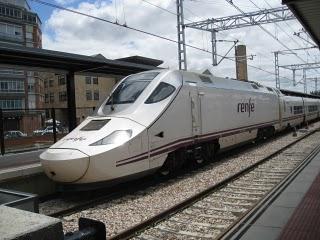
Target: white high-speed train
x: 159, y: 120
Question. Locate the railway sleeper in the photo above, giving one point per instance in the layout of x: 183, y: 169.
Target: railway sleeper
x: 188, y: 233
x: 259, y: 184
x: 263, y: 180
x: 217, y: 216
x: 201, y: 224
x: 250, y: 188
x: 247, y: 204
x: 242, y: 192
x: 223, y: 208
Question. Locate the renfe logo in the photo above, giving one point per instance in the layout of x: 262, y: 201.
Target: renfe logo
x: 246, y: 107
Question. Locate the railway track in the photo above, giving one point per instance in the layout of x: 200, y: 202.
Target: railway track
x: 64, y: 205
x: 219, y: 210
x: 75, y: 202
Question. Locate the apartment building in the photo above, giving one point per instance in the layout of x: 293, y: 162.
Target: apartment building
x: 90, y: 90
x: 20, y: 89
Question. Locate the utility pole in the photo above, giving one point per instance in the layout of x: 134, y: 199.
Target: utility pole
x: 304, y: 77
x: 276, y: 69
x: 181, y: 37
x: 294, y: 76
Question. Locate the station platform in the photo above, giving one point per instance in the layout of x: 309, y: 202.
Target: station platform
x: 294, y: 214
x: 13, y: 160
x: 23, y: 172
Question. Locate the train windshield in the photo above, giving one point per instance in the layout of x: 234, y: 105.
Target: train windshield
x: 131, y: 88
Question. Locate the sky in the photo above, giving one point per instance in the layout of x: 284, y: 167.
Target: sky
x: 69, y: 32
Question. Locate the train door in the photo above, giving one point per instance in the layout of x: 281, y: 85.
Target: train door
x: 195, y: 103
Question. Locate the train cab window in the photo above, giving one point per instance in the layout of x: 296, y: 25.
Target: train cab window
x: 162, y: 91
x: 131, y: 88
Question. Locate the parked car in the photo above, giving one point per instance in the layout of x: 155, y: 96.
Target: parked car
x: 49, y: 130
x: 14, y: 134
x: 45, y: 130
x: 39, y: 131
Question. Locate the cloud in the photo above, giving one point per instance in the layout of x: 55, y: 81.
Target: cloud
x: 65, y: 31
x: 66, y: 2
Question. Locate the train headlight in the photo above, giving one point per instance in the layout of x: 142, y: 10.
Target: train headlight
x: 117, y: 137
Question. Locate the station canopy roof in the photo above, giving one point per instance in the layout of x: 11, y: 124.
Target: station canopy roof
x: 308, y: 13
x: 61, y: 61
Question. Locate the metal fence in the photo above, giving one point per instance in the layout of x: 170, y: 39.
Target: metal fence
x: 30, y: 129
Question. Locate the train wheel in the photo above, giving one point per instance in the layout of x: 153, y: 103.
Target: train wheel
x: 208, y: 152
x: 174, y: 162
x: 205, y: 153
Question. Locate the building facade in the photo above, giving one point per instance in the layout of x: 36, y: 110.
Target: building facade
x: 20, y: 89
x: 90, y: 91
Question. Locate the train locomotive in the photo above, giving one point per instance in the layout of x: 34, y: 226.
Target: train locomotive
x: 158, y: 120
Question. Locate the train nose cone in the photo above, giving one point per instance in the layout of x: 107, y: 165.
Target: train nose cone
x: 64, y: 165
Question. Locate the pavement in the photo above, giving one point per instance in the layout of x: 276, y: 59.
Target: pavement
x: 12, y: 160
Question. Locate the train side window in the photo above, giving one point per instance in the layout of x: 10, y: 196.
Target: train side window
x: 162, y: 91
x: 254, y: 86
x: 297, y: 109
x: 269, y: 89
x: 205, y: 79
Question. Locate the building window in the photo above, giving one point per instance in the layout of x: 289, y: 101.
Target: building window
x: 51, y: 96
x: 11, y: 86
x: 88, y: 80
x: 96, y: 95
x: 11, y: 71
x: 95, y: 80
x: 10, y: 30
x: 11, y: 104
x: 46, y: 98
x: 30, y: 87
x: 89, y: 95
x: 63, y: 96
x: 50, y: 83
x: 45, y: 83
x: 61, y: 80
x: 29, y: 35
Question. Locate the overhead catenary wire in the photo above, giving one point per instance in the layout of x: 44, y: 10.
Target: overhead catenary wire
x: 265, y: 30
x: 284, y: 30
x: 264, y: 54
x: 140, y: 31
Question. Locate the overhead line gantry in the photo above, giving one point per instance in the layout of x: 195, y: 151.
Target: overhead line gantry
x: 255, y: 18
